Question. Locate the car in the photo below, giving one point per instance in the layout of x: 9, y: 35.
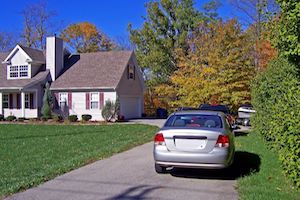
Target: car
x: 221, y: 108
x: 186, y: 108
x: 245, y: 112
x: 194, y: 139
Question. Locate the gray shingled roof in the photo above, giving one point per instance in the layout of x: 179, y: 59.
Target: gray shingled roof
x: 18, y: 83
x: 34, y: 54
x: 93, y: 70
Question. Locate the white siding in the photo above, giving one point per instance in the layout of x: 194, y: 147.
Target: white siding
x: 1, y: 110
x: 79, y: 105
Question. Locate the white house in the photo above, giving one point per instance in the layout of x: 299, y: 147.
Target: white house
x: 81, y: 83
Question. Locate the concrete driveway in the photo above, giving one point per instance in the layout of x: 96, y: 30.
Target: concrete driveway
x: 130, y: 175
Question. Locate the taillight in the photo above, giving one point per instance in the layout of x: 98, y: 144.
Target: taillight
x: 159, y: 139
x: 223, y: 141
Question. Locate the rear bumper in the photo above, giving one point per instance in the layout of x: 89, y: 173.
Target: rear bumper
x: 216, y: 159
x: 192, y: 165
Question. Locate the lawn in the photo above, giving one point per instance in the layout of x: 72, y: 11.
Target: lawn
x: 31, y: 154
x: 266, y: 179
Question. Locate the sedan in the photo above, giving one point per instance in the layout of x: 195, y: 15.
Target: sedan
x: 194, y: 139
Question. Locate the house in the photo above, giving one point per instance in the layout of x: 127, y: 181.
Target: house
x: 80, y: 83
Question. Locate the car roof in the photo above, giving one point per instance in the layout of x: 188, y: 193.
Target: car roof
x: 199, y: 112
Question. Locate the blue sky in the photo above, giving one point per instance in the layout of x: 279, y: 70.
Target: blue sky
x: 111, y: 16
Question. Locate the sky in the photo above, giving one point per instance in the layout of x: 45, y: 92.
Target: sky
x: 110, y: 16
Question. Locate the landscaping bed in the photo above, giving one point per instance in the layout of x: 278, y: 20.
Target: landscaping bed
x: 31, y: 154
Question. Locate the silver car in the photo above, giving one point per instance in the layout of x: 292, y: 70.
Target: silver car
x: 194, y: 139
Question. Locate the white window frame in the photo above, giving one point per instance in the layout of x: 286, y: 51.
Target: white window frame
x: 23, y: 69
x: 63, y: 99
x: 94, y: 102
x: 5, y: 100
x: 18, y: 71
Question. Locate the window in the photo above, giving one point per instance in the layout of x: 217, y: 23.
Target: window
x: 62, y: 99
x: 23, y: 71
x: 194, y: 121
x: 5, y: 101
x: 94, y: 100
x: 13, y: 72
x: 18, y: 71
x: 131, y: 74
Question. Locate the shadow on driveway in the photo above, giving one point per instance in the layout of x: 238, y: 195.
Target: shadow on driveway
x: 245, y: 163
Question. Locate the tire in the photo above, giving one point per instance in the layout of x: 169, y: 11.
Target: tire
x: 160, y: 169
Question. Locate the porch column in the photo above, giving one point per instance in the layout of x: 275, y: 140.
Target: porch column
x: 23, y: 103
x: 1, y: 109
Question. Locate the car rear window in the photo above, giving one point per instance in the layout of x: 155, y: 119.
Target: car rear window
x: 207, y: 121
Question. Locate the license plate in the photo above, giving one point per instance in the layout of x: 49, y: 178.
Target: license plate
x: 188, y: 144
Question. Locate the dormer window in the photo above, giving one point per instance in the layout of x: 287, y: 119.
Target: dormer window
x: 131, y: 74
x: 18, y: 71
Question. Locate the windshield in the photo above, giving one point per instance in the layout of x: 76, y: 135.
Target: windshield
x: 194, y: 120
x: 221, y: 108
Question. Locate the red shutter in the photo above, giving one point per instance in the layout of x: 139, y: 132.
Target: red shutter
x: 56, y: 101
x: 101, y: 100
x: 87, y: 100
x: 31, y: 100
x: 18, y: 101
x: 70, y: 100
x: 11, y: 100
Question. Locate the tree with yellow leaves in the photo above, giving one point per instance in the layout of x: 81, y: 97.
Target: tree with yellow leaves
x: 217, y: 69
x: 85, y: 37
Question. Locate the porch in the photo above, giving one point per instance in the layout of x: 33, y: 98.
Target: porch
x: 19, y: 103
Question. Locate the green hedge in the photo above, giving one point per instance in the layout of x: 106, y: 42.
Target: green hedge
x: 276, y: 99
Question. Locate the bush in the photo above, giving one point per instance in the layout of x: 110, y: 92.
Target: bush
x: 73, y: 118
x: 86, y: 117
x: 57, y: 117
x: 2, y: 118
x: 11, y: 118
x: 44, y: 119
x: 276, y: 99
x: 110, y: 110
x: 21, y: 119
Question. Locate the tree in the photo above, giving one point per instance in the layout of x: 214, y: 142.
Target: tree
x: 217, y: 69
x: 38, y: 25
x: 7, y: 41
x: 166, y: 27
x: 110, y: 110
x: 288, y: 30
x: 85, y: 37
x: 256, y: 14
x: 47, y: 101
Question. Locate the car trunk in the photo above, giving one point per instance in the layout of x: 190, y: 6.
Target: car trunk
x: 191, y: 140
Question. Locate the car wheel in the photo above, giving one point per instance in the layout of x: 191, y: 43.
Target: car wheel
x: 160, y: 169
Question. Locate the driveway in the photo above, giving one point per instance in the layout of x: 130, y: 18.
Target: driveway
x: 130, y: 175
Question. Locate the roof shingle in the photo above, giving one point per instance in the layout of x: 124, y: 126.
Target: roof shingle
x: 93, y: 70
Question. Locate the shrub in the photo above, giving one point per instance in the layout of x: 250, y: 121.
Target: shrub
x: 21, y: 119
x: 57, y: 117
x: 110, y: 110
x: 276, y: 99
x: 86, y: 117
x: 73, y: 118
x: 2, y: 118
x: 44, y: 119
x: 11, y: 118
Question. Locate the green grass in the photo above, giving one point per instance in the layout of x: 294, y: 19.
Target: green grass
x: 267, y: 180
x: 31, y: 154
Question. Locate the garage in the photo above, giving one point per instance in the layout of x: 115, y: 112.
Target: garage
x: 130, y: 107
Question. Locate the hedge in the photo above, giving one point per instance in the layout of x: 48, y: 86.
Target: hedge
x: 276, y: 99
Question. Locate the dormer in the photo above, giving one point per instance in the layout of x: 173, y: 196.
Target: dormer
x: 24, y: 62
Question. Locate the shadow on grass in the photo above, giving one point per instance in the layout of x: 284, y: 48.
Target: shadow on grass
x: 245, y: 163
x: 238, y: 133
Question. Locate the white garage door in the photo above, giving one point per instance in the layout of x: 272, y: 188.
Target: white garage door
x: 130, y: 107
